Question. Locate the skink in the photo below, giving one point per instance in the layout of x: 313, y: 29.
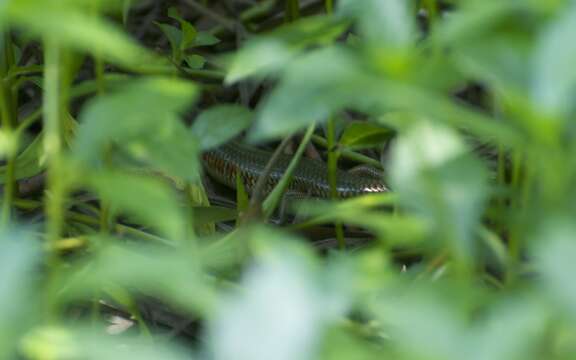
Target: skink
x: 309, y: 177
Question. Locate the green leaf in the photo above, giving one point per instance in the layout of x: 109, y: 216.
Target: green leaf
x: 432, y: 320
x: 554, y: 248
x: 141, y: 118
x: 19, y: 260
x: 75, y: 28
x: 188, y: 31
x: 85, y: 342
x: 362, y: 134
x: 174, y: 36
x: 391, y: 229
x: 28, y: 162
x: 507, y: 330
x: 210, y: 214
x: 204, y: 38
x: 146, y: 269
x: 313, y: 87
x: 269, y: 54
x: 475, y: 19
x: 438, y: 179
x: 554, y: 80
x: 195, y: 61
x: 388, y: 24
x: 282, y: 302
x: 149, y: 200
x: 220, y: 124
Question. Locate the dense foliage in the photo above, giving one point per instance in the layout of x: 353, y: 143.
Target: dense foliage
x: 114, y: 244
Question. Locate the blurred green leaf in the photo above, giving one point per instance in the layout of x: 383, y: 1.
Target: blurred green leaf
x: 146, y: 269
x: 362, y: 134
x: 392, y: 229
x: 83, y: 342
x: 433, y: 322
x: 387, y: 24
x: 220, y: 124
x: 74, y: 27
x: 19, y: 258
x: 149, y: 200
x: 195, y: 61
x: 554, y: 247
x: 205, y: 39
x: 436, y: 177
x: 474, y: 20
x: 268, y: 54
x: 188, y: 31
x: 207, y: 214
x: 554, y: 80
x: 174, y: 36
x: 282, y: 305
x: 311, y: 88
x: 510, y: 330
x: 152, y: 134
x: 28, y: 161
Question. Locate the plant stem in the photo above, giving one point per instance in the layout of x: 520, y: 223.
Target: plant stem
x: 53, y: 142
x: 432, y: 8
x: 349, y: 154
x: 9, y: 123
x: 329, y: 5
x: 254, y: 210
x: 332, y: 177
x: 55, y: 186
x: 292, y: 10
x: 280, y: 188
x: 333, y: 158
x: 99, y: 67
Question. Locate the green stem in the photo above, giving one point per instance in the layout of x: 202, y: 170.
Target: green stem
x: 274, y: 198
x: 257, y: 10
x: 292, y: 10
x: 9, y: 123
x: 99, y: 67
x: 432, y: 8
x: 54, y: 195
x: 329, y: 5
x: 349, y: 154
x: 332, y: 176
x: 515, y: 204
x: 53, y: 140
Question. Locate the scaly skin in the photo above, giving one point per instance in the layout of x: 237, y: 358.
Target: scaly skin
x: 309, y: 177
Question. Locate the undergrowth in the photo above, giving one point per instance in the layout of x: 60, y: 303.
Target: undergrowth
x: 115, y: 244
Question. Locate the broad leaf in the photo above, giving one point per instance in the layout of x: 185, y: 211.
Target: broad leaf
x: 217, y: 125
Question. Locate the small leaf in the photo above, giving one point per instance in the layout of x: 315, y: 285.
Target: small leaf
x: 194, y: 61
x: 174, y: 36
x: 204, y: 38
x: 219, y: 124
x: 211, y: 214
x: 362, y: 134
x: 188, y: 31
